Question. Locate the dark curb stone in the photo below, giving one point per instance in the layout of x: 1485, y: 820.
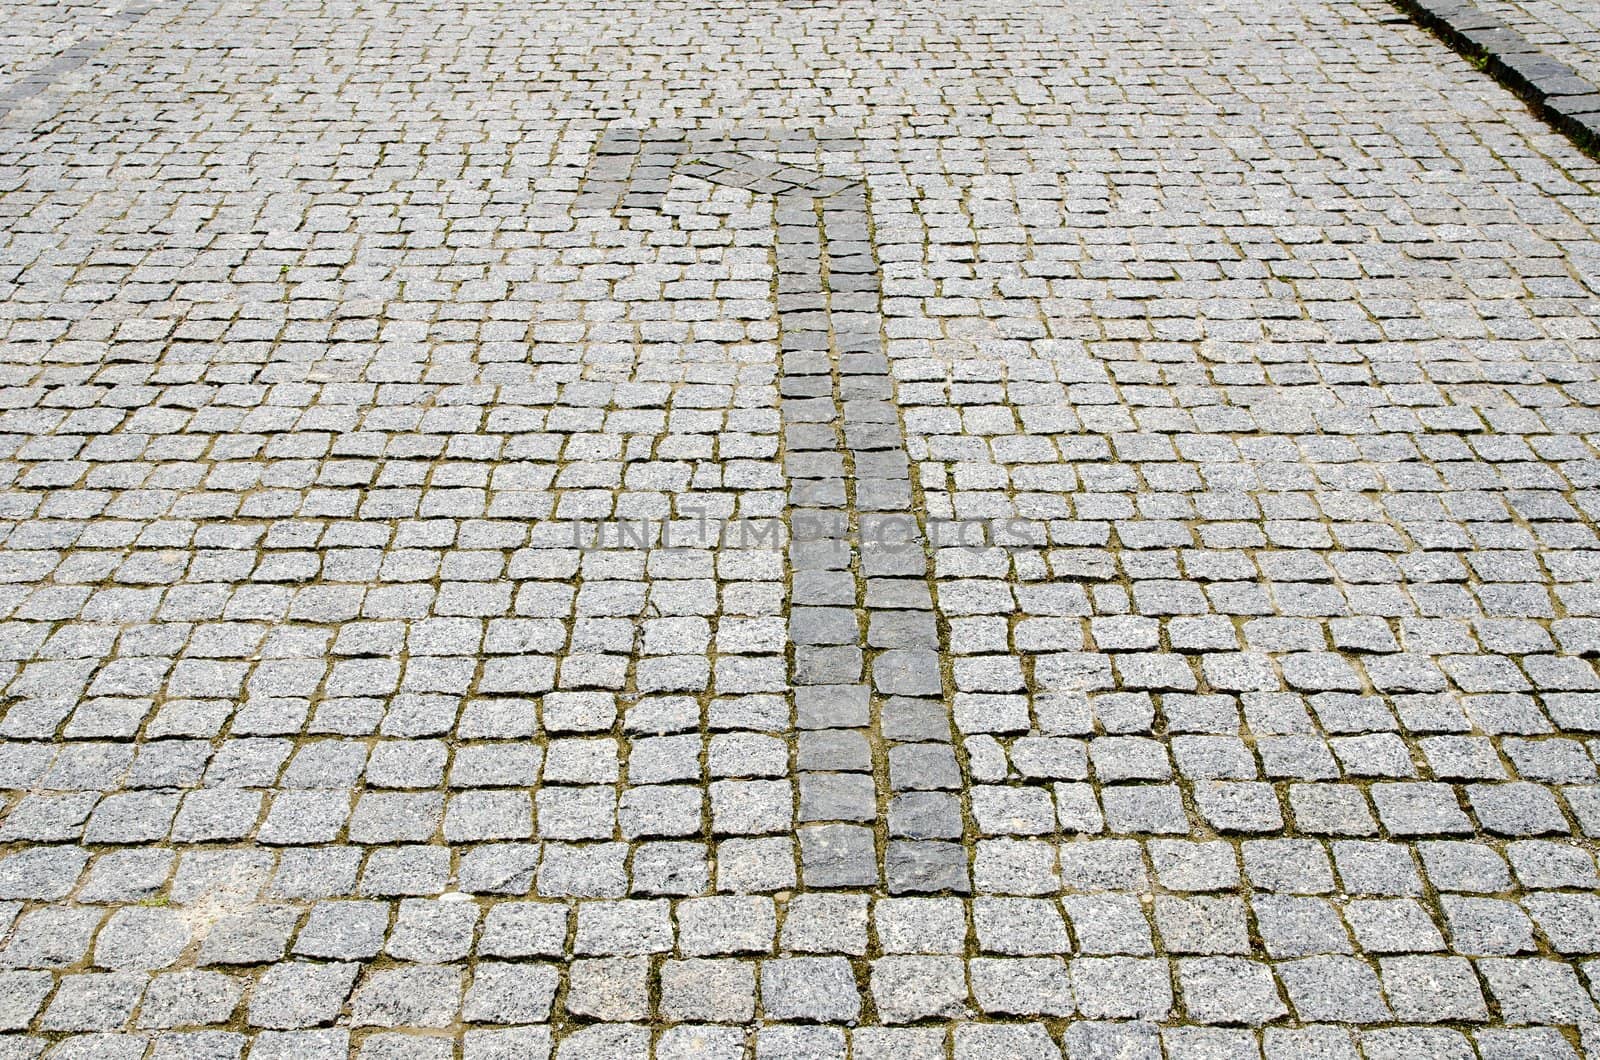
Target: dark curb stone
x: 1556, y: 92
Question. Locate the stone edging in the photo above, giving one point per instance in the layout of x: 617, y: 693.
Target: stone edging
x: 35, y: 82
x: 1556, y: 92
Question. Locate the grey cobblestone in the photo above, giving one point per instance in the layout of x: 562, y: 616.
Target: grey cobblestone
x: 1070, y: 535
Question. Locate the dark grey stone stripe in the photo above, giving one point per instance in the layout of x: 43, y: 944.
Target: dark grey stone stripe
x: 921, y: 778
x: 71, y: 58
x: 878, y: 775
x: 1556, y: 91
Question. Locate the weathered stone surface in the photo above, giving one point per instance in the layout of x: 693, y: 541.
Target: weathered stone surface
x: 1071, y: 534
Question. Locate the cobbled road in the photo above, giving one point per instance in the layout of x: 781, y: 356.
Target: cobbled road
x: 792, y: 530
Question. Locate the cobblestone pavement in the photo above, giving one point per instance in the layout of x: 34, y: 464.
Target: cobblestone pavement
x: 1568, y: 30
x: 792, y: 531
x: 44, y: 43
